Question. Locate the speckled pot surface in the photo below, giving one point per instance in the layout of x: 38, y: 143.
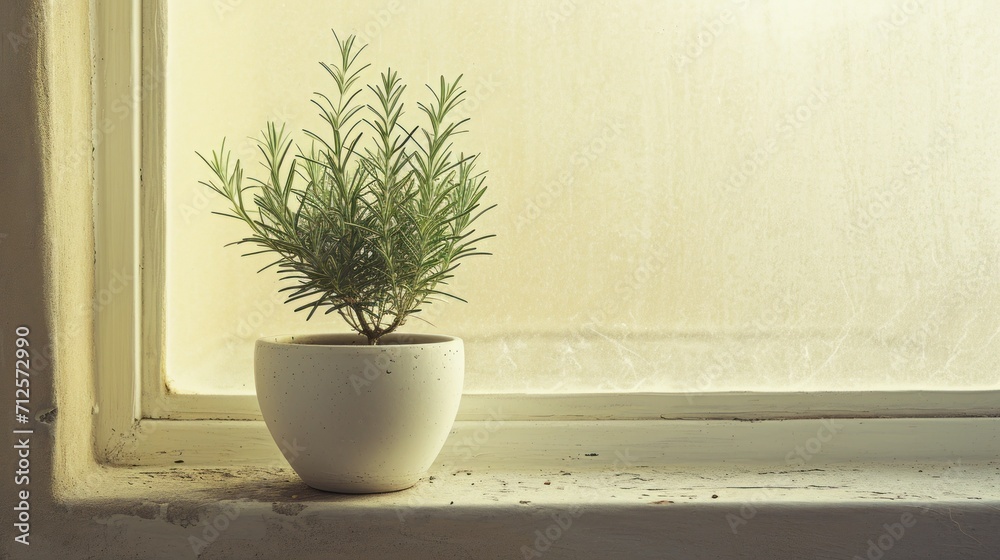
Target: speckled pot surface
x: 355, y: 418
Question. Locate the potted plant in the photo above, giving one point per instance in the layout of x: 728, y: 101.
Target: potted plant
x: 369, y: 220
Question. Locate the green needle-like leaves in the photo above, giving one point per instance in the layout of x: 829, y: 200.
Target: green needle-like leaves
x: 370, y: 227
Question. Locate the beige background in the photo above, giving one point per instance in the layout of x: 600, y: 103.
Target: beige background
x: 711, y: 195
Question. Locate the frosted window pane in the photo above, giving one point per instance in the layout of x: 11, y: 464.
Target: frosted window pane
x: 703, y: 195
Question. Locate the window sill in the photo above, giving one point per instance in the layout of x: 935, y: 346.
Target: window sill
x: 577, y: 505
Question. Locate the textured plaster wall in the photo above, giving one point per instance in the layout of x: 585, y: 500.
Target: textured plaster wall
x: 23, y: 254
x: 46, y: 253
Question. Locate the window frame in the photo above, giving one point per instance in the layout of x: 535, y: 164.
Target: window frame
x: 140, y: 417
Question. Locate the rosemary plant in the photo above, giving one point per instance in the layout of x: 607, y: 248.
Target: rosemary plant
x: 373, y: 225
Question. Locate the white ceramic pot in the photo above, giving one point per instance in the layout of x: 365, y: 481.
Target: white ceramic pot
x: 355, y: 418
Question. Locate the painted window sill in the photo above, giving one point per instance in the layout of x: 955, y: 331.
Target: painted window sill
x: 917, y: 510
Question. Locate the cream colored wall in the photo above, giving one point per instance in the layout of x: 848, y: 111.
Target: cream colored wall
x: 47, y: 254
x: 711, y: 195
x: 72, y: 298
